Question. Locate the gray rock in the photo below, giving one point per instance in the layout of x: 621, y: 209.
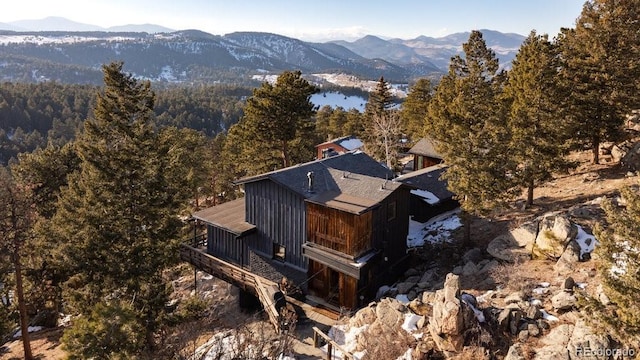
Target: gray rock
x: 533, y: 330
x: 488, y: 266
x: 457, y: 270
x: 428, y: 276
x: 411, y: 295
x: 411, y: 272
x: 514, y: 322
x: 505, y: 248
x: 474, y: 255
x: 555, y: 231
x: 583, y: 338
x: 568, y: 260
x: 523, y: 336
x: 389, y: 312
x: 525, y: 234
x: 405, y: 287
x: 533, y: 313
x: 554, y: 344
x: 516, y: 352
x: 469, y: 269
x: 569, y: 284
x: 514, y: 298
x: 564, y: 301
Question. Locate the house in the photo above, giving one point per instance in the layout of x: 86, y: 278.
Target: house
x: 429, y: 193
x: 336, y: 227
x: 425, y: 154
x: 338, y: 146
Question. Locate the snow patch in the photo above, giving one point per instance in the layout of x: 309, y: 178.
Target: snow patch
x: 30, y: 329
x: 403, y: 299
x: 586, y: 241
x: 435, y: 231
x: 427, y: 196
x: 410, y: 323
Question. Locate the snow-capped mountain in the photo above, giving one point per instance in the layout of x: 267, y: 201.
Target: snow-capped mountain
x: 193, y: 56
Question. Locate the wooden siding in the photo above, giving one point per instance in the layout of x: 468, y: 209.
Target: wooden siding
x: 279, y: 216
x: 337, y: 230
x: 226, y: 246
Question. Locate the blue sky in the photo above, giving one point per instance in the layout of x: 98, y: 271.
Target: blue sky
x: 313, y: 20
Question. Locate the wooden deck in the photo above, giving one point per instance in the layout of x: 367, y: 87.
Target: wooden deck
x: 262, y: 288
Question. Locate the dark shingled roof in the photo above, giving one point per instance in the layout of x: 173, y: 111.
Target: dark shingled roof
x: 425, y: 147
x: 428, y: 179
x: 228, y: 216
x: 348, y: 164
x: 352, y: 182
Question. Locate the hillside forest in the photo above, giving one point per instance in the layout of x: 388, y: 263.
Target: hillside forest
x: 98, y: 183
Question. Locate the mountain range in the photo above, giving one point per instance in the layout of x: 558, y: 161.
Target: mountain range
x: 71, y: 52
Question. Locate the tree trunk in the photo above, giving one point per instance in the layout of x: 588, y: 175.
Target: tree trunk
x: 24, y: 319
x: 386, y: 152
x: 595, y: 143
x: 466, y: 223
x: 285, y: 154
x: 529, y: 193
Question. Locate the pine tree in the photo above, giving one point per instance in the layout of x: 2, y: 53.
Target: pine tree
x: 467, y: 121
x: 16, y: 221
x: 117, y: 220
x: 538, y: 138
x: 279, y: 116
x: 382, y: 127
x: 619, y: 266
x: 415, y: 107
x: 600, y: 70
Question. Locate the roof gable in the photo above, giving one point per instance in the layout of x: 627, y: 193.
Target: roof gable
x: 428, y: 179
x: 426, y: 147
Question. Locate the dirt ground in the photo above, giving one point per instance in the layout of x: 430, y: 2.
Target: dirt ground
x: 586, y: 183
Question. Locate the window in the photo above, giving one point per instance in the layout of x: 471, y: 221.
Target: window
x: 278, y: 252
x: 391, y: 211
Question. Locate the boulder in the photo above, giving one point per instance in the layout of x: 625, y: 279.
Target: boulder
x: 631, y: 160
x: 389, y: 312
x: 554, y: 344
x: 568, y: 260
x: 469, y: 269
x: 564, y: 301
x: 404, y: 287
x: 516, y: 352
x: 365, y: 316
x: 525, y: 235
x: 554, y: 234
x: 504, y: 247
x: 446, y: 324
x: 514, y: 298
x: 584, y: 338
x: 474, y: 255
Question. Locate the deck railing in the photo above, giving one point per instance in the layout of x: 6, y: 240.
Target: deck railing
x: 233, y: 275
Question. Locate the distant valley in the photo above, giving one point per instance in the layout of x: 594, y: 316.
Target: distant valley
x: 193, y: 57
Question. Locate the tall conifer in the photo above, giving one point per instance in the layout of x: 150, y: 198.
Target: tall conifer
x: 117, y: 221
x: 600, y: 69
x: 466, y: 119
x: 538, y: 134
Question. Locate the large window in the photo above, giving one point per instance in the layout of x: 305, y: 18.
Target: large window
x: 278, y: 252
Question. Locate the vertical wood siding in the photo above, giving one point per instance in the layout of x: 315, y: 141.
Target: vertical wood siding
x: 338, y: 230
x: 279, y: 215
x: 225, y: 245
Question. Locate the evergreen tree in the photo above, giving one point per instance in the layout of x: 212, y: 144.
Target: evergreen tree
x: 619, y: 266
x: 117, y: 220
x: 600, y: 69
x: 16, y: 221
x: 279, y: 116
x: 382, y: 130
x: 466, y: 120
x: 414, y: 109
x: 45, y: 172
x: 538, y: 137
